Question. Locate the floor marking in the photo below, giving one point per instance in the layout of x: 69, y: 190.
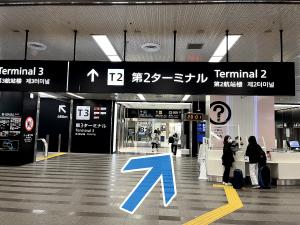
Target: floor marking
x: 234, y: 203
x: 49, y: 156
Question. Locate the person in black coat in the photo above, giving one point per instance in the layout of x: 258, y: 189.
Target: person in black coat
x: 256, y: 157
x: 227, y: 158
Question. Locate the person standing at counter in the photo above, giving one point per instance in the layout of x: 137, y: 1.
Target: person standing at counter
x: 253, y: 152
x: 227, y: 158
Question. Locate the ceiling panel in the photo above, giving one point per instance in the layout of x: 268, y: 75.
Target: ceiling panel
x: 202, y: 23
x: 206, y: 24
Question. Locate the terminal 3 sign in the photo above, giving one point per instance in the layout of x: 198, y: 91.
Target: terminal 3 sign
x: 36, y: 75
x: 236, y: 78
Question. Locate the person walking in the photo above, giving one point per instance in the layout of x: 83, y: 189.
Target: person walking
x: 174, y: 145
x: 254, y: 153
x: 155, y: 140
x: 227, y: 158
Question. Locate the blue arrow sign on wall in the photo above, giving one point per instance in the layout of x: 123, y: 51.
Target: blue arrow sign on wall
x: 159, y: 167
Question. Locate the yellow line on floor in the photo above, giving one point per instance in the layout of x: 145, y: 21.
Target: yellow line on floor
x: 234, y: 203
x: 50, y: 156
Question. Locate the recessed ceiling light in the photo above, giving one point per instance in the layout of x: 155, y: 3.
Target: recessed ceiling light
x: 36, y: 46
x: 151, y: 47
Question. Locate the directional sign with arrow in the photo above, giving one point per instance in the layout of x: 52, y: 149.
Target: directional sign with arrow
x: 92, y: 74
x: 159, y: 168
x: 62, y: 109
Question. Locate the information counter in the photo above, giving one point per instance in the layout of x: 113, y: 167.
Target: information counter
x: 285, y: 166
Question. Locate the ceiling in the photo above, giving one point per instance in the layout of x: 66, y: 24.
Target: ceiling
x: 201, y: 23
x: 133, y: 2
x: 129, y: 97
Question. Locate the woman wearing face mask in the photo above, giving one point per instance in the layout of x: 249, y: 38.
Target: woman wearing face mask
x: 227, y: 158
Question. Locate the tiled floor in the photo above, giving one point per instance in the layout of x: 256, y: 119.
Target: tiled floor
x: 81, y: 189
x: 144, y: 150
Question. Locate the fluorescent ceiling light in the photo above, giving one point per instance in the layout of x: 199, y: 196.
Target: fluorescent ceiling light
x: 74, y: 95
x: 46, y: 95
x: 186, y: 97
x: 114, y: 58
x: 141, y: 97
x: 215, y: 58
x: 286, y: 105
x: 221, y: 49
x: 159, y: 103
x: 106, y: 46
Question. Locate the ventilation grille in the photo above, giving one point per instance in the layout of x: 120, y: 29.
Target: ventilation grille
x: 195, y: 46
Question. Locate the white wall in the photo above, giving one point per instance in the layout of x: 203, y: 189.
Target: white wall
x: 253, y: 114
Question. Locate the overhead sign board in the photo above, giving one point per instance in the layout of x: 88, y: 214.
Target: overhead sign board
x: 195, y: 117
x: 153, y: 114
x: 236, y: 78
x: 25, y: 75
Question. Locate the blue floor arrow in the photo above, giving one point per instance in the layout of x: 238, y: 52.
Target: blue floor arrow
x: 160, y: 167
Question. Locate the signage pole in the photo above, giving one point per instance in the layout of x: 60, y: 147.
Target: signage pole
x: 174, y: 50
x: 125, y: 45
x: 70, y: 125
x: 75, y: 40
x: 26, y: 42
x: 227, y: 54
x: 281, y: 46
x: 37, y: 119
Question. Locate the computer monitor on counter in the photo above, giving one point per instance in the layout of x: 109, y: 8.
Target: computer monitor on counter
x: 294, y: 145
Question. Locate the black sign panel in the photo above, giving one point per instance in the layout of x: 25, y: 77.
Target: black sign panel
x: 33, y: 76
x: 153, y: 114
x: 243, y: 78
x: 11, y: 107
x: 91, y: 131
x: 54, y: 121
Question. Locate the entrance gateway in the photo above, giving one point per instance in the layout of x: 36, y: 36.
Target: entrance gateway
x: 95, y: 121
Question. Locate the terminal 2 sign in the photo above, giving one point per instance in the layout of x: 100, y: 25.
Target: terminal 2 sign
x: 235, y: 78
x: 183, y: 78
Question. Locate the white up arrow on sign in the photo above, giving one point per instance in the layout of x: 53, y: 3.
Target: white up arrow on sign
x: 92, y: 74
x: 62, y: 109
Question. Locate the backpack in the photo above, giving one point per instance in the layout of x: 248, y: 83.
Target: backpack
x: 264, y: 177
x: 238, y: 179
x: 262, y: 161
x: 171, y: 140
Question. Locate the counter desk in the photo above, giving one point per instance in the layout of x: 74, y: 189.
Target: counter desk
x: 285, y: 166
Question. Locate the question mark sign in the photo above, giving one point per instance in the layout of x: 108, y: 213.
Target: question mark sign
x: 219, y: 112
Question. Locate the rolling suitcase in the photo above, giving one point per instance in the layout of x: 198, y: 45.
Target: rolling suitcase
x: 264, y: 177
x: 238, y: 179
